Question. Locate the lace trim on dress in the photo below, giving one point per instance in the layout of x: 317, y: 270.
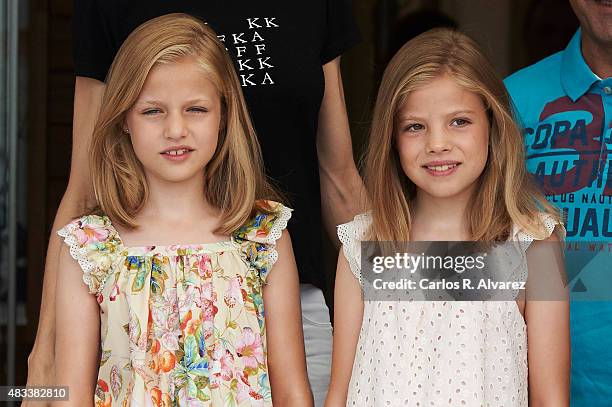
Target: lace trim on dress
x: 81, y: 255
x: 527, y: 238
x: 350, y: 235
x: 276, y: 232
x: 78, y: 252
x: 258, y: 246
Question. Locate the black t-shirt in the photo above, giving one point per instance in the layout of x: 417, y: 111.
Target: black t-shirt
x: 279, y: 48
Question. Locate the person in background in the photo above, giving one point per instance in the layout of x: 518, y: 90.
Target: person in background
x: 552, y: 22
x: 287, y: 57
x: 565, y: 105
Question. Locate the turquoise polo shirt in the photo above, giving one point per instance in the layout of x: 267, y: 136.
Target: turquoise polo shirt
x: 566, y: 114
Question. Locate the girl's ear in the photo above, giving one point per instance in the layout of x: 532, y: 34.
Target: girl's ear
x: 124, y: 126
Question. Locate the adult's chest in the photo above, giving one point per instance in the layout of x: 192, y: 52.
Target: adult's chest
x: 276, y: 50
x: 567, y: 143
x: 275, y: 45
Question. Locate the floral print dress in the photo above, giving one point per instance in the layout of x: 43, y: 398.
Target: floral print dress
x: 180, y: 325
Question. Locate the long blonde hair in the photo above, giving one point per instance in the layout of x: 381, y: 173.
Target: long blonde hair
x: 235, y: 177
x: 506, y: 194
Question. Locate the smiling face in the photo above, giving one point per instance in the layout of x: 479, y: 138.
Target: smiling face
x: 174, y: 123
x: 442, y: 137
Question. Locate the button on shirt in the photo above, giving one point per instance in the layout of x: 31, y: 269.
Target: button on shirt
x: 566, y: 113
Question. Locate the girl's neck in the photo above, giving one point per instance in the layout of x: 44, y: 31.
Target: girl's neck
x: 439, y: 218
x: 175, y: 201
x: 176, y: 213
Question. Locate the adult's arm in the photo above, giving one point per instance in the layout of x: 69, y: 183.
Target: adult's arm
x: 342, y: 192
x: 78, y: 196
x: 285, y: 338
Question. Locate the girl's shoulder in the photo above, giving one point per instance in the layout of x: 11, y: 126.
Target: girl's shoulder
x: 94, y: 243
x: 351, y: 234
x: 257, y: 237
x: 266, y: 223
x: 543, y: 228
x: 356, y: 229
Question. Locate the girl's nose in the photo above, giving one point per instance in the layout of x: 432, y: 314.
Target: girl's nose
x: 438, y: 143
x: 176, y: 127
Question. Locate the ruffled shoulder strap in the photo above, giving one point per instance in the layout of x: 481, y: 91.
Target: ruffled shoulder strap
x: 94, y: 243
x: 522, y: 239
x: 351, y: 234
x: 258, y: 236
x: 548, y: 223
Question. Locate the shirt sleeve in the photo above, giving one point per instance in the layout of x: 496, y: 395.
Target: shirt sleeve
x: 341, y: 31
x: 93, y: 49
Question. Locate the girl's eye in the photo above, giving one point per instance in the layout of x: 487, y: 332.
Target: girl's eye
x: 460, y: 122
x: 198, y: 109
x: 414, y: 127
x: 151, y: 111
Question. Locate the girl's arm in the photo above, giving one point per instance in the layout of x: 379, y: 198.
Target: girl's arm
x: 547, y: 318
x: 285, y: 339
x: 77, y: 334
x: 348, y: 314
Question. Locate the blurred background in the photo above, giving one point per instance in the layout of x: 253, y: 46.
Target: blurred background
x: 36, y: 96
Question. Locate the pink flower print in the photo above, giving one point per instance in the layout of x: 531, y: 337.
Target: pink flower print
x: 246, y: 392
x: 169, y: 339
x: 192, y: 325
x: 114, y: 293
x: 166, y: 328
x: 190, y: 401
x: 186, y: 301
x: 242, y: 392
x: 168, y: 301
x: 227, y: 366
x: 166, y: 325
x: 249, y: 347
x: 233, y: 294
x: 91, y: 233
x: 205, y: 267
x: 215, y: 366
x: 206, y: 302
x: 222, y: 366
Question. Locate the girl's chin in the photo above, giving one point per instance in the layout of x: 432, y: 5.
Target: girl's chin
x: 442, y: 195
x: 450, y: 191
x: 176, y: 177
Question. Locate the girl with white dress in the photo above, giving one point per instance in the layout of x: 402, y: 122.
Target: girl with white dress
x: 445, y: 162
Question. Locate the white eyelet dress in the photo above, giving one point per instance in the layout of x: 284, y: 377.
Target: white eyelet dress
x: 435, y: 353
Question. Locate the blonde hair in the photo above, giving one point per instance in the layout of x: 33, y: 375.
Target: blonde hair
x: 235, y: 177
x: 506, y: 193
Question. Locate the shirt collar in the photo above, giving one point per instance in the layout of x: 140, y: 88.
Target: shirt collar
x: 576, y: 76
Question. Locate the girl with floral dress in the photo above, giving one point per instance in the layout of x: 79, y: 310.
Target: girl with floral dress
x: 445, y: 162
x: 191, y: 294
